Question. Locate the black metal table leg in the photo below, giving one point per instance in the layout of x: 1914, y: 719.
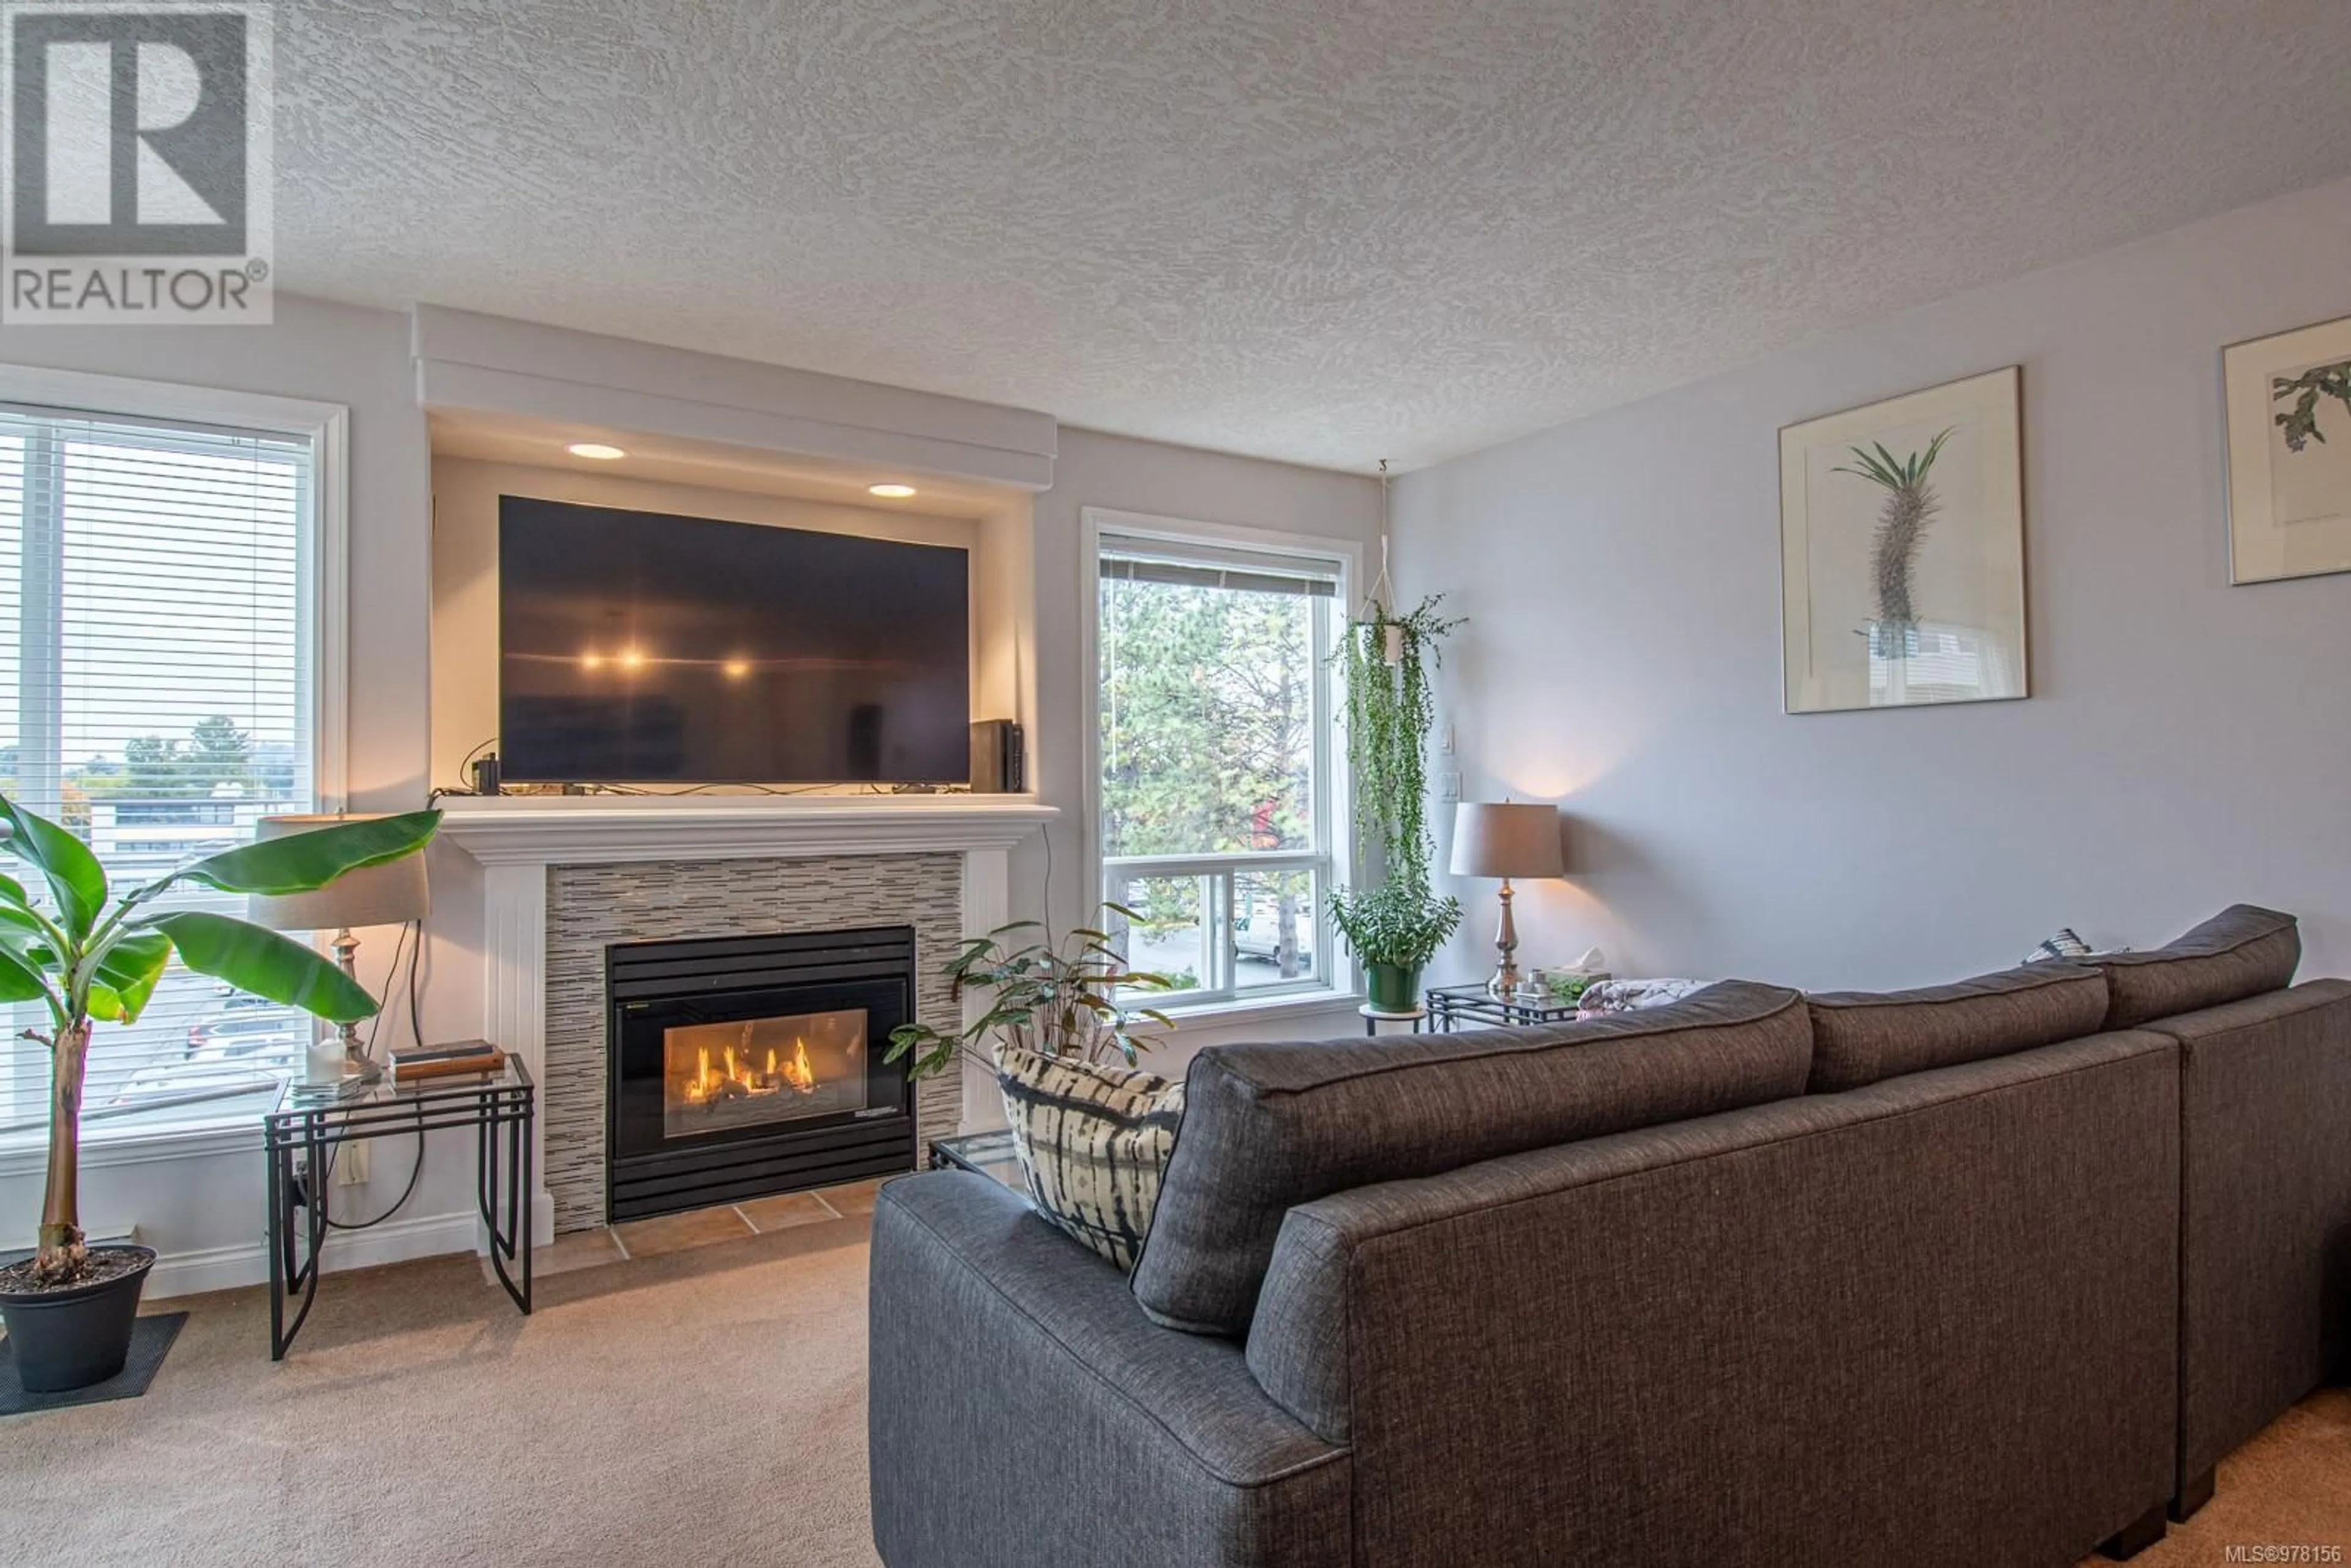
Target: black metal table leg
x: 502, y: 1185
x: 522, y: 1200
x: 279, y: 1239
x: 525, y: 1155
x: 289, y: 1272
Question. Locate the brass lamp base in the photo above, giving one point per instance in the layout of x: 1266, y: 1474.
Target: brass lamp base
x: 1503, y: 985
x: 359, y: 1068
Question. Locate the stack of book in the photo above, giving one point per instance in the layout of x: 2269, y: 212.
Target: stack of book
x: 440, y: 1060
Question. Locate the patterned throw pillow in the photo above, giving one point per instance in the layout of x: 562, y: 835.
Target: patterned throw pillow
x: 1093, y: 1141
x: 2066, y: 945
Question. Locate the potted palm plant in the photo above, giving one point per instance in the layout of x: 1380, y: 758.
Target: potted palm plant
x: 92, y: 958
x: 1066, y: 998
x: 1397, y: 927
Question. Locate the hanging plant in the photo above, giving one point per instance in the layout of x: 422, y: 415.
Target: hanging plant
x: 1387, y: 659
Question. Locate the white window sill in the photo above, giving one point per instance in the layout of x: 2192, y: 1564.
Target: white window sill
x: 1244, y: 1011
x: 29, y: 1157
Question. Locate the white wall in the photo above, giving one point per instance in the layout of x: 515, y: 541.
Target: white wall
x: 1097, y: 470
x: 2187, y: 743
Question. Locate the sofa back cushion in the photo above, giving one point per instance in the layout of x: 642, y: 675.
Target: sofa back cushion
x: 2241, y: 952
x: 1860, y: 1036
x: 1269, y: 1126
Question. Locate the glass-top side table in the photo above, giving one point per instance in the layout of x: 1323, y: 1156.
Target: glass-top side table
x: 990, y: 1154
x: 501, y: 1107
x: 1471, y: 1007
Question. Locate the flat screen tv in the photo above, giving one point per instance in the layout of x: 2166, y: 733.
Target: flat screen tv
x: 643, y: 648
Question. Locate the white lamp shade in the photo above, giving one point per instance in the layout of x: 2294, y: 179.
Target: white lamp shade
x: 1507, y: 840
x: 392, y: 894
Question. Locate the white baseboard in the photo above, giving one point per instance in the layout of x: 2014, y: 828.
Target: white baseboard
x: 395, y: 1240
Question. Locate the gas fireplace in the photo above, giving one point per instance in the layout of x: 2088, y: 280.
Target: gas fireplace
x: 744, y: 1066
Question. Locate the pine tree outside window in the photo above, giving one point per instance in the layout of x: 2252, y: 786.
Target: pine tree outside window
x: 1221, y: 821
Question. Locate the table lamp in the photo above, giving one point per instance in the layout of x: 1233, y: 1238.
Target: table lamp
x: 393, y: 894
x: 1505, y: 840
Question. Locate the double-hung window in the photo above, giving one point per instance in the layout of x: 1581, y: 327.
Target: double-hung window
x: 1220, y: 816
x: 158, y: 634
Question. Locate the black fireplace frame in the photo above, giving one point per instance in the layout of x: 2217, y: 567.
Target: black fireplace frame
x: 870, y: 966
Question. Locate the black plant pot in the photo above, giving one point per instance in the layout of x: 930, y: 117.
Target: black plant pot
x: 77, y: 1336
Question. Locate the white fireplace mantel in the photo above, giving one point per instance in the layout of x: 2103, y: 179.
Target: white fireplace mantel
x: 602, y: 829
x: 516, y: 838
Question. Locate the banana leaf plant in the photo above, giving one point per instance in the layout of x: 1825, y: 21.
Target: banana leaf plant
x: 91, y: 957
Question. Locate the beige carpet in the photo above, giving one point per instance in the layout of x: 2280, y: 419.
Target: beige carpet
x: 702, y: 1406
x: 703, y: 1401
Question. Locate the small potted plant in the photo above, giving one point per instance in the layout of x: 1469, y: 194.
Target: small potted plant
x: 1063, y: 998
x: 90, y: 958
x: 1397, y: 927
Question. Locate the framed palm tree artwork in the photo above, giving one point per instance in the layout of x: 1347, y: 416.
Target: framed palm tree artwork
x: 1902, y: 551
x: 2289, y: 399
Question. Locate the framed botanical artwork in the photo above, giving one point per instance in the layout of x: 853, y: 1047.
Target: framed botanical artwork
x: 2290, y: 452
x: 1902, y: 550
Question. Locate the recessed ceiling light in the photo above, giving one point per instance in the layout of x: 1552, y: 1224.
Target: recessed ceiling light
x: 736, y: 668
x: 595, y: 449
x: 891, y: 492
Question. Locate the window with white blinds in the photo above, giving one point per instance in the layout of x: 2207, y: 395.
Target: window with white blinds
x: 1218, y: 809
x: 156, y: 629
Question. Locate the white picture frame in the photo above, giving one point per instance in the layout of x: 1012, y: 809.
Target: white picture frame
x: 1902, y: 551
x: 2289, y: 419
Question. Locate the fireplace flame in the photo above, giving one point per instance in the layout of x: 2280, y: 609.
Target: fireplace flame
x: 738, y: 1074
x: 797, y: 1072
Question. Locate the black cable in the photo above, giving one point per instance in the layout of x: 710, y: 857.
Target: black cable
x: 466, y: 779
x: 416, y: 1166
x: 1045, y: 829
x: 415, y: 1169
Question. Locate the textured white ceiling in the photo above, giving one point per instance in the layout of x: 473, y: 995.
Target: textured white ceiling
x: 1324, y: 231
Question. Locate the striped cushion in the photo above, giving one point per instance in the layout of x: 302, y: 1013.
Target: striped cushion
x: 1094, y: 1141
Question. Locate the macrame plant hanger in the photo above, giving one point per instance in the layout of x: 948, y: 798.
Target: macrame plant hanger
x: 1379, y: 602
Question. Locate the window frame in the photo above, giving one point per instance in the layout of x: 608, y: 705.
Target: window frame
x: 323, y: 608
x: 1334, y: 856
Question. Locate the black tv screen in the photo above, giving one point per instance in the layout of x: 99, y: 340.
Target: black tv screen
x: 643, y: 648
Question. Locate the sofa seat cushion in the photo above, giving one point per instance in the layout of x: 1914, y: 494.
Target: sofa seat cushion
x: 1860, y: 1036
x: 1267, y: 1127
x: 1093, y: 1140
x: 2241, y: 952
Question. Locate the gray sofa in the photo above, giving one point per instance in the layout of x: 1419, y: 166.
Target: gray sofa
x: 1989, y: 1273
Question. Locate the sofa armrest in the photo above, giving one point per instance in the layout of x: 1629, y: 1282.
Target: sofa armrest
x: 2265, y: 1200
x: 1024, y: 1410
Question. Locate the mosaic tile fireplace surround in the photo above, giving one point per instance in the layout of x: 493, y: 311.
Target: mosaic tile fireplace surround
x: 566, y: 879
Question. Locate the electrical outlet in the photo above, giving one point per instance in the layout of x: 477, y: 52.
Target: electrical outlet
x: 1448, y: 786
x: 351, y: 1163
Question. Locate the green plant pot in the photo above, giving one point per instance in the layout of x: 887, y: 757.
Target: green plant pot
x: 1394, y: 989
